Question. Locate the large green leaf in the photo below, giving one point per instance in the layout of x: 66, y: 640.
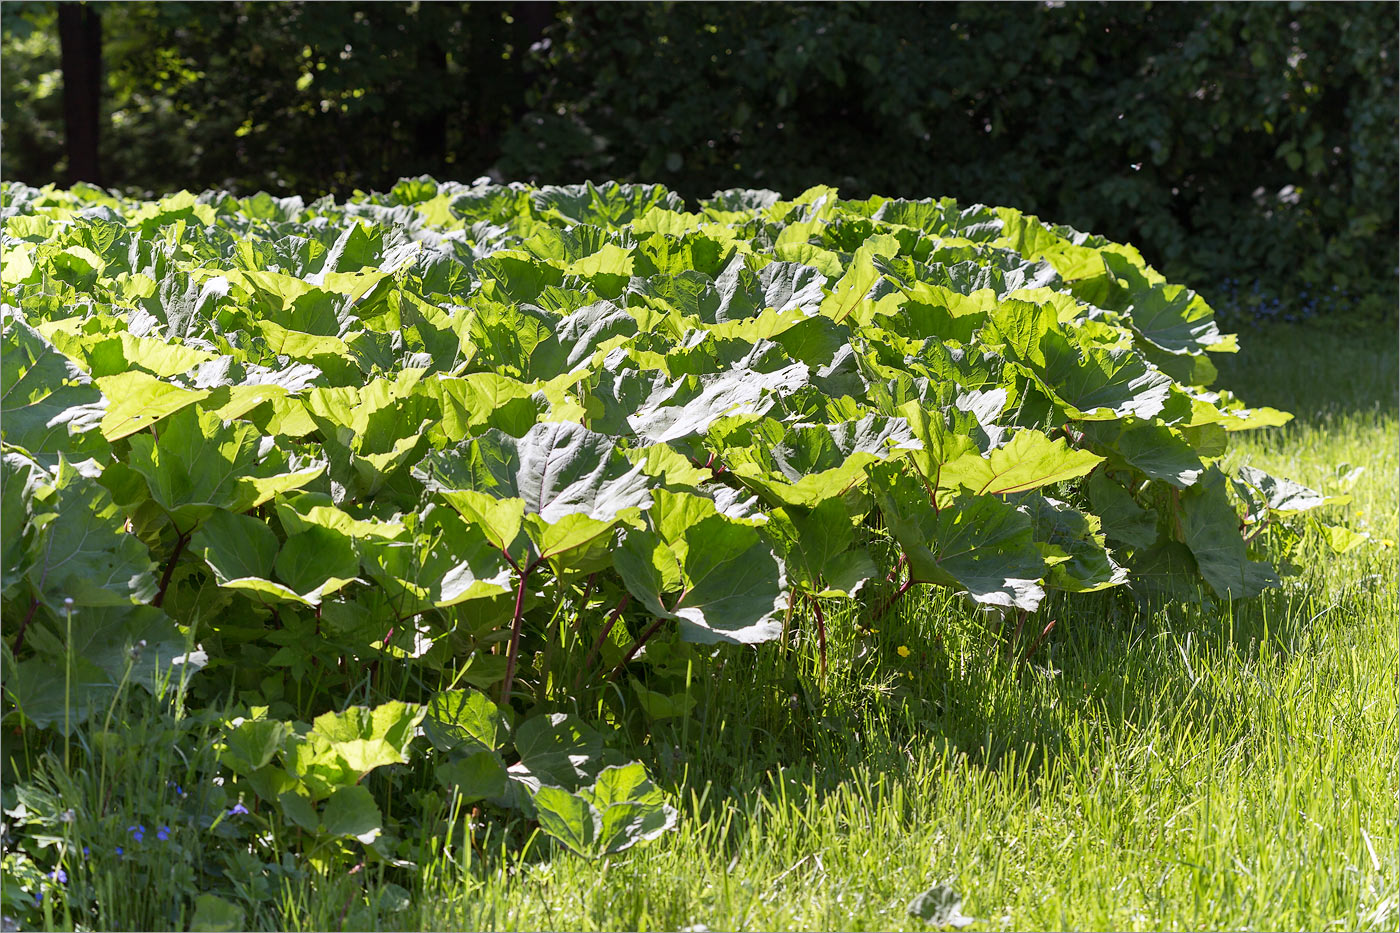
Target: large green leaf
x: 37, y: 689
x: 1031, y: 460
x: 82, y: 550
x: 1121, y: 517
x: 235, y: 546
x: 556, y: 469
x: 477, y: 402
x: 1092, y: 382
x: 244, y: 554
x: 689, y: 406
x: 1072, y: 545
x: 351, y: 811
x: 806, y: 465
x: 458, y: 717
x: 714, y: 575
x: 474, y: 776
x: 944, y: 435
x: 621, y: 809
x: 979, y: 544
x: 1158, y: 450
x: 369, y: 738
x: 817, y: 547
x: 67, y: 421
x: 25, y: 495
x: 199, y: 464
x: 213, y: 914
x: 559, y: 750
x: 252, y: 743
x: 743, y: 291
x: 1281, y: 497
x: 1171, y: 317
x: 137, y: 400
x: 318, y: 560
x: 1211, y: 529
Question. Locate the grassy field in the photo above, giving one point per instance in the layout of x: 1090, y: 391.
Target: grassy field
x: 1156, y: 766
x: 1163, y: 767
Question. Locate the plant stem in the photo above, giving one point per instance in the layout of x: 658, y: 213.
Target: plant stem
x: 583, y: 600
x: 821, y: 630
x: 1259, y: 529
x: 636, y: 646
x: 515, y: 625
x: 28, y: 617
x: 888, y: 604
x: 893, y: 575
x: 554, y: 632
x: 68, y: 687
x: 1016, y: 635
x: 180, y: 543
x: 598, y: 643
x: 1040, y: 638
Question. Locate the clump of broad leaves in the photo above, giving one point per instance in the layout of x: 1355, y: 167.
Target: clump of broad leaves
x: 462, y: 478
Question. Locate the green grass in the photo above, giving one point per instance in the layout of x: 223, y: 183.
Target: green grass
x: 1148, y: 767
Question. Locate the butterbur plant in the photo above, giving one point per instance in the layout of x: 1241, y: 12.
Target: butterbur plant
x: 460, y: 487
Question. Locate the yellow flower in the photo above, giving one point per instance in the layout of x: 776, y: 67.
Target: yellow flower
x: 1387, y: 543
x: 903, y: 651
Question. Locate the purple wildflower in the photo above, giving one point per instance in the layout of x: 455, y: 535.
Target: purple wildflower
x: 59, y: 875
x: 163, y: 833
x: 138, y: 831
x: 238, y: 809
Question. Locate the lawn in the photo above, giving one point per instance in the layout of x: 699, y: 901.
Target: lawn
x: 1162, y: 767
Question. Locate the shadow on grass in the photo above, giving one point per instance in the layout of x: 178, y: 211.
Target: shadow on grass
x: 1315, y: 370
x: 1112, y: 671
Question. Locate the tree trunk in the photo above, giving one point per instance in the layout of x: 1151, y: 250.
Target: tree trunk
x: 531, y: 18
x: 80, y: 50
x: 430, y: 129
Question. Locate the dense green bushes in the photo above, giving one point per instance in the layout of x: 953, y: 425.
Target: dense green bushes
x: 1217, y: 137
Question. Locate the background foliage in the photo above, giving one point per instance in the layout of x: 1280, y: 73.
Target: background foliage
x: 1247, y: 148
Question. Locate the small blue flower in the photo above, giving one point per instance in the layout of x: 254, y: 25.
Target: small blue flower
x: 138, y: 831
x: 85, y: 851
x: 163, y: 833
x: 238, y: 809
x: 119, y: 850
x: 59, y: 875
x: 38, y: 898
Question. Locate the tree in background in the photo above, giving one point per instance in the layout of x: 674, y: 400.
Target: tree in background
x: 80, y: 54
x: 306, y: 97
x: 1214, y: 136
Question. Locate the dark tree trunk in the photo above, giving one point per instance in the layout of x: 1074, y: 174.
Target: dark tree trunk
x: 531, y: 18
x: 80, y: 50
x: 430, y: 129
